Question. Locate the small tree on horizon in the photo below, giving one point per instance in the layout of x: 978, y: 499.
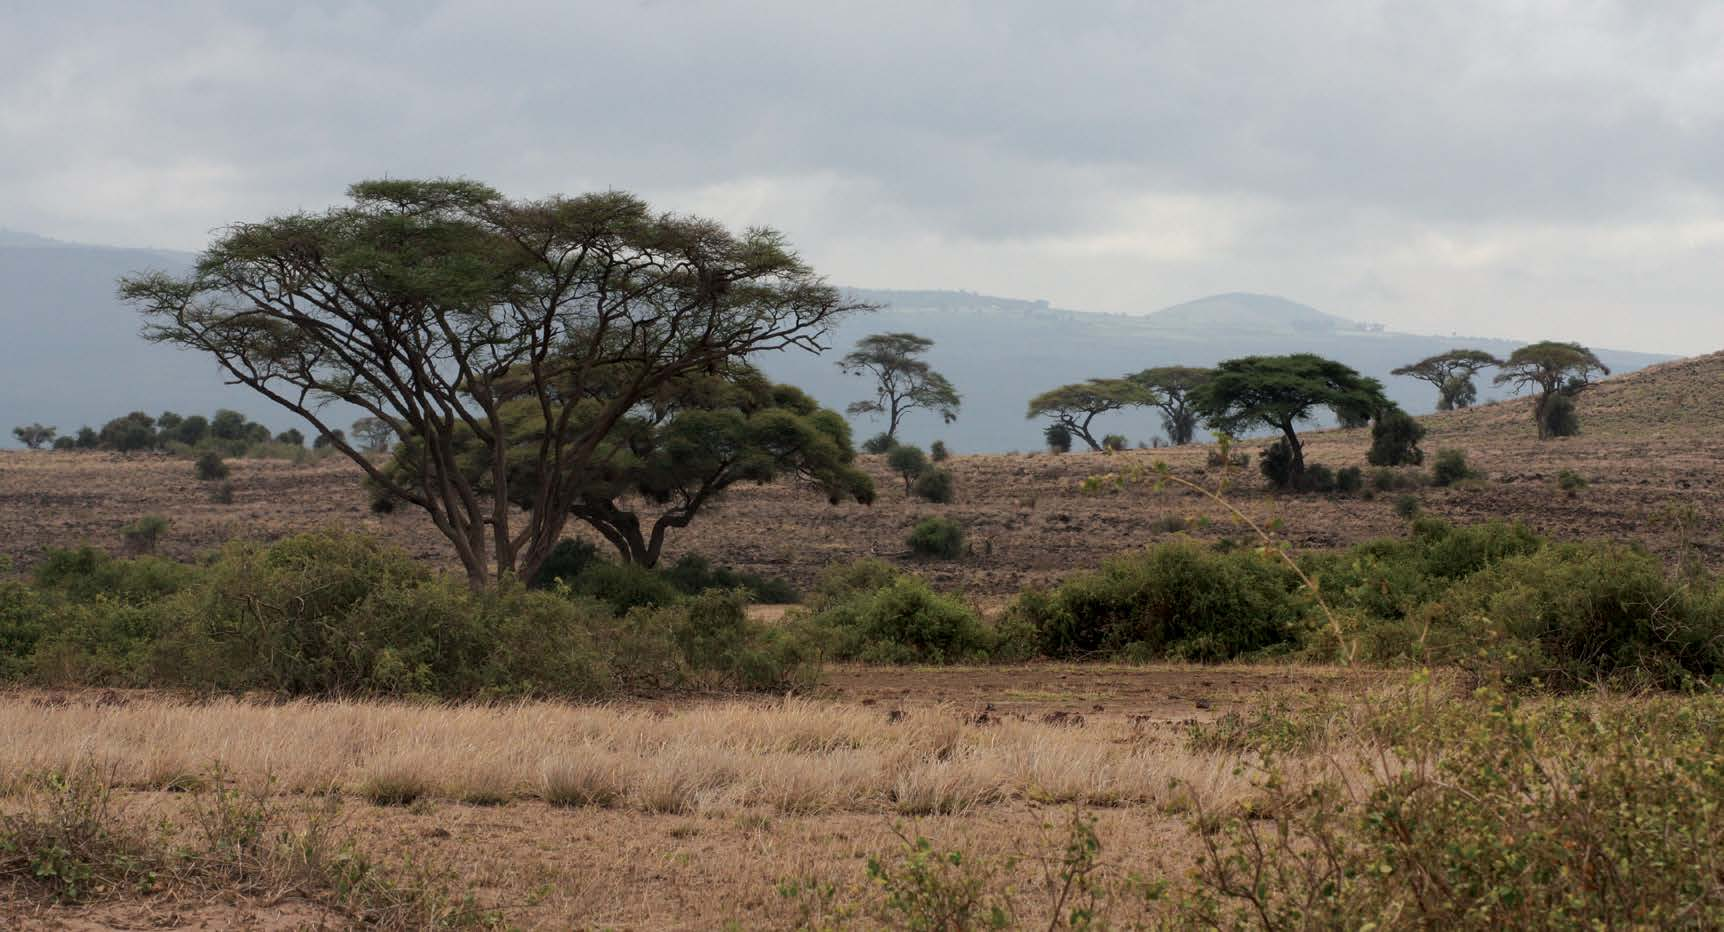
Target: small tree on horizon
x: 35, y: 436
x: 903, y: 382
x: 1075, y: 406
x: 1554, y: 369
x: 374, y: 432
x: 1279, y: 392
x: 1172, y: 386
x: 1452, y: 374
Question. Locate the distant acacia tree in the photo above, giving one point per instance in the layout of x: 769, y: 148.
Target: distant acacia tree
x: 1278, y: 392
x: 903, y: 382
x: 35, y: 436
x: 374, y: 432
x: 1452, y: 373
x: 1555, y: 370
x: 431, y: 304
x: 130, y: 433
x: 1075, y: 406
x: 1173, y: 386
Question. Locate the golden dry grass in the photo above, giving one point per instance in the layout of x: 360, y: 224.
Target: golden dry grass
x: 794, y: 756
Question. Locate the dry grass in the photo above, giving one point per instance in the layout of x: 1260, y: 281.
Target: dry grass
x: 795, y: 756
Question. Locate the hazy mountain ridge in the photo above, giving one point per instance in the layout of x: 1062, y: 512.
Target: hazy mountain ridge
x: 76, y: 356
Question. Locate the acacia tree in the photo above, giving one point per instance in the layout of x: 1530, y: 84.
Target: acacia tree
x: 1075, y: 406
x: 1452, y: 373
x: 1278, y: 392
x: 374, y: 432
x: 677, y: 455
x: 35, y: 436
x: 1172, y: 386
x: 1554, y: 369
x: 419, y: 299
x: 902, y: 381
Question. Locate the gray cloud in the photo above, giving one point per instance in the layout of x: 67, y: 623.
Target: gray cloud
x: 1523, y: 169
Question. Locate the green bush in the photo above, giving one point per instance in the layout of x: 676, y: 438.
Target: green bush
x: 1275, y: 462
x: 1570, y: 615
x: 1407, y: 507
x: 1385, y: 479
x: 1571, y: 482
x: 935, y: 485
x: 907, y: 461
x: 1349, y: 480
x: 1174, y: 599
x: 1058, y: 438
x: 879, y: 443
x: 715, y: 645
x: 142, y: 535
x: 1395, y: 440
x: 1560, y: 419
x: 1114, y: 442
x: 209, y: 466
x: 902, y: 621
x: 938, y: 453
x: 624, y: 586
x: 693, y: 574
x: 1451, y: 467
x: 1318, y: 478
x: 938, y: 538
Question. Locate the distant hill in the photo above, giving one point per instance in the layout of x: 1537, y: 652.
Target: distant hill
x: 75, y: 357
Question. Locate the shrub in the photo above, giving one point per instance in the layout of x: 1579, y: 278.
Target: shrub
x: 907, y: 461
x: 1237, y: 459
x: 623, y: 586
x: 1169, y: 524
x: 65, y: 443
x: 1570, y: 615
x: 1395, y: 440
x: 1058, y: 438
x: 693, y: 574
x: 1317, y: 478
x: 938, y: 453
x: 1451, y: 467
x: 1495, y: 817
x: 1407, y: 507
x: 1384, y: 479
x: 1571, y: 482
x: 716, y: 645
x: 940, y: 538
x: 879, y: 443
x: 1275, y: 462
x: 842, y: 580
x: 1349, y: 480
x: 1114, y: 442
x: 209, y: 466
x: 1560, y: 419
x: 903, y: 621
x: 566, y: 561
x: 936, y: 486
x: 142, y: 535
x: 1173, y: 599
x: 222, y: 494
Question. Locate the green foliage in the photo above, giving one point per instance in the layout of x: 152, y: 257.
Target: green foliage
x: 693, y: 574
x: 1451, y: 467
x: 1174, y: 599
x: 1058, y: 438
x: 1559, y: 418
x: 130, y: 433
x: 1349, y: 480
x: 938, y: 453
x: 624, y: 586
x: 1599, y: 814
x: 209, y: 466
x: 937, y: 538
x: 1279, y: 392
x: 878, y: 444
x: 881, y: 618
x: 1395, y: 437
x: 568, y: 559
x: 908, y: 461
x: 35, y: 436
x: 935, y: 485
x: 1113, y: 443
x: 1172, y: 388
x: 1407, y: 507
x: 1384, y: 479
x: 1452, y: 374
x: 903, y: 381
x: 1075, y: 407
x: 142, y: 535
x: 1570, y: 481
x: 1275, y: 462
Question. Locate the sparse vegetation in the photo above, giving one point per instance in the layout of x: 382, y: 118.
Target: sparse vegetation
x: 935, y: 485
x: 909, y: 462
x: 1451, y: 467
x: 209, y: 466
x: 937, y: 538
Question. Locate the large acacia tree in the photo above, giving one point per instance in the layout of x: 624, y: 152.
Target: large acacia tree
x: 1172, y: 386
x: 432, y: 304
x: 676, y: 454
x: 1554, y: 369
x: 1452, y: 374
x: 1075, y: 406
x: 1278, y: 392
x: 903, y: 381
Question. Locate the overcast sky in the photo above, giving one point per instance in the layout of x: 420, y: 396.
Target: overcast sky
x: 1527, y: 170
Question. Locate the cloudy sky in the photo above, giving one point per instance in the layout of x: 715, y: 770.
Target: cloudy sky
x: 1517, y: 169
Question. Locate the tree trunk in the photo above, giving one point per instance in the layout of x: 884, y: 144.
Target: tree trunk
x: 1296, y: 471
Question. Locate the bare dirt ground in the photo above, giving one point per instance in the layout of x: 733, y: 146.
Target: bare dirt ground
x: 1652, y: 440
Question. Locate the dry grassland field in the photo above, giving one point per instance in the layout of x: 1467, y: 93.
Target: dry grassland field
x: 706, y: 811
